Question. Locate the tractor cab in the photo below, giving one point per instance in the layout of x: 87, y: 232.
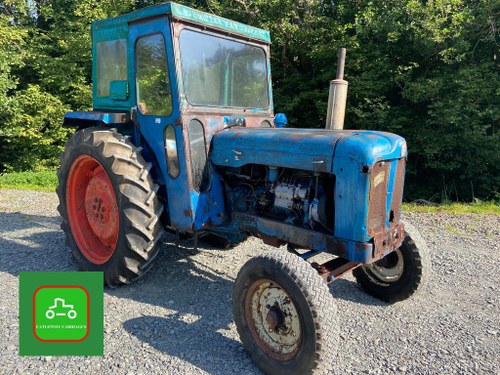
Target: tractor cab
x: 171, y: 77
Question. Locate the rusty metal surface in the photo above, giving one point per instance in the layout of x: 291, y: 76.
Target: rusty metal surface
x: 397, y: 193
x: 388, y: 240
x: 335, y: 268
x: 273, y: 320
x: 270, y: 230
x: 271, y: 240
x: 378, y: 198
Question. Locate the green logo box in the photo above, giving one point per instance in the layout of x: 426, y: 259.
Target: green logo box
x: 61, y: 313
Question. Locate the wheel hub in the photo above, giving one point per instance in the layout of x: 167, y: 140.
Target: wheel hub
x: 388, y: 269
x: 92, y: 209
x: 273, y: 319
x: 100, y: 205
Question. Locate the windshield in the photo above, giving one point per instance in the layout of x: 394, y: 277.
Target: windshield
x: 222, y: 72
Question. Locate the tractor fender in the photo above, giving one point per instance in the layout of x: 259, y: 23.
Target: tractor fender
x: 95, y: 118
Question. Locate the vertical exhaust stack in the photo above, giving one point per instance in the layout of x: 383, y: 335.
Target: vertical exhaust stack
x: 337, y: 98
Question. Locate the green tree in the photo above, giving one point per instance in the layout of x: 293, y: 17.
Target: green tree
x: 428, y: 70
x: 425, y: 70
x: 45, y: 70
x: 433, y: 78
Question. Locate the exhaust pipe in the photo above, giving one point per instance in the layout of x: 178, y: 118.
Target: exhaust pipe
x: 337, y: 97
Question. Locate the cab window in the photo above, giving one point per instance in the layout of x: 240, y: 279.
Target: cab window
x: 198, y: 153
x: 152, y: 82
x: 111, y: 64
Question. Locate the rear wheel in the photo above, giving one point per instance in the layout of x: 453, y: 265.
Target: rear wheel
x: 109, y: 206
x: 400, y: 274
x: 285, y: 315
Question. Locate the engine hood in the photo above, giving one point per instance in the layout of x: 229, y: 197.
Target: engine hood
x: 308, y: 149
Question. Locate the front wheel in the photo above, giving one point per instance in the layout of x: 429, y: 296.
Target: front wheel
x: 400, y: 274
x: 285, y: 315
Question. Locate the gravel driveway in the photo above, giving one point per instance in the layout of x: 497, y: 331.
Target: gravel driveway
x: 177, y: 319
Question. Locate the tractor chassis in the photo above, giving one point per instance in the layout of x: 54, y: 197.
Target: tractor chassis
x: 350, y: 254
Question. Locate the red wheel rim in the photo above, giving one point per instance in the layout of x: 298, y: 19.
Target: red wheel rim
x: 92, y: 209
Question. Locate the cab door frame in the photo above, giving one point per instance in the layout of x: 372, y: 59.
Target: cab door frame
x: 153, y: 127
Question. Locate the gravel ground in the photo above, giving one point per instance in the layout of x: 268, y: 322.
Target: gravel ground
x: 177, y: 319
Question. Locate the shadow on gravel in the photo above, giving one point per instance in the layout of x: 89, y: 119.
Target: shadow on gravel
x: 200, y: 296
x: 199, y: 331
x: 32, y: 243
x: 350, y: 291
x: 197, y: 343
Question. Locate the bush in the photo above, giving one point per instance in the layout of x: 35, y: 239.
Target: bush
x: 31, y: 135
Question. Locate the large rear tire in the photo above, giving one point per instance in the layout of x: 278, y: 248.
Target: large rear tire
x: 400, y: 274
x: 285, y: 315
x: 108, y: 204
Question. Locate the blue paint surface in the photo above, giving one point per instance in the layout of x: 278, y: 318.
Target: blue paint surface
x: 352, y: 190
x: 280, y: 120
x: 105, y: 118
x: 308, y: 149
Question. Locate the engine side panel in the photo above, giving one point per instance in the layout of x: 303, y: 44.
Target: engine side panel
x: 306, y: 149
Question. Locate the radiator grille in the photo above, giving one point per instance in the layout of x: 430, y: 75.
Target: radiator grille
x: 378, y: 196
x: 397, y: 193
x: 379, y: 180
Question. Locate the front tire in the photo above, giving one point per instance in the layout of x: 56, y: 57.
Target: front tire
x: 400, y: 274
x: 285, y: 315
x: 108, y: 204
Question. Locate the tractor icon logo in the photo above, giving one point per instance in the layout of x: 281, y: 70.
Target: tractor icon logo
x: 61, y: 309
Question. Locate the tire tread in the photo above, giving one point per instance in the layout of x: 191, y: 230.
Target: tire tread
x: 410, y: 284
x: 137, y: 193
x: 320, y: 300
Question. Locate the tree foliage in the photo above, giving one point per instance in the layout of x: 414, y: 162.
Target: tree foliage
x: 428, y: 70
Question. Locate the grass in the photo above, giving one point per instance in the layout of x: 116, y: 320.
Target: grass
x: 47, y: 181
x: 41, y: 181
x: 478, y: 207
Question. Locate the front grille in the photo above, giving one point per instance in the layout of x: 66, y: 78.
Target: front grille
x: 397, y: 192
x: 379, y: 180
x: 378, y: 197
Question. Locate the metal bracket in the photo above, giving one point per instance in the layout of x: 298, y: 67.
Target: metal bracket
x: 335, y: 268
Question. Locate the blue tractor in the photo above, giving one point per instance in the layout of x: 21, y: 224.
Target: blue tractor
x: 183, y: 138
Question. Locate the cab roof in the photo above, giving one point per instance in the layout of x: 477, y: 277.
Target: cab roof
x: 184, y: 13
